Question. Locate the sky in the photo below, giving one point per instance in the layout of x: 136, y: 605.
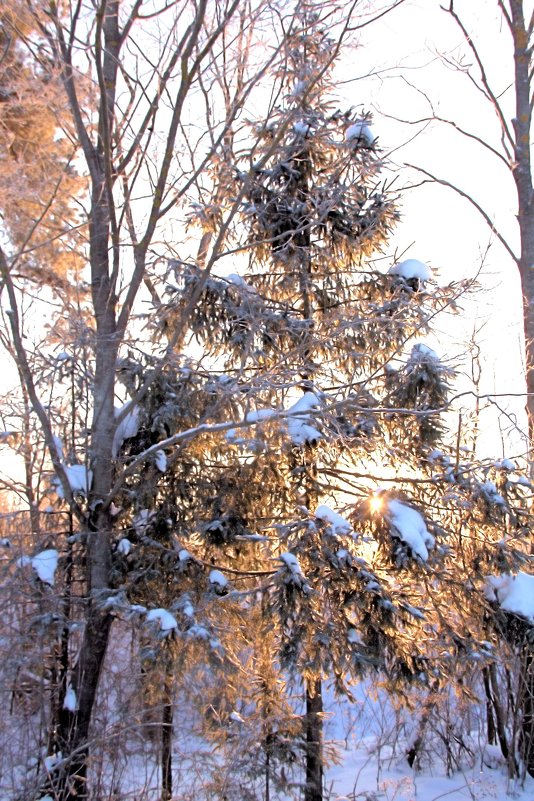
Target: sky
x: 398, y: 73
x: 405, y: 51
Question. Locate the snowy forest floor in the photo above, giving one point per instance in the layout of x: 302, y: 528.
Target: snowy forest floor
x: 455, y: 764
x: 364, y: 777
x: 366, y: 745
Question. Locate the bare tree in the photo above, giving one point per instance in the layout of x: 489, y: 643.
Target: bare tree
x: 131, y: 75
x: 511, y: 149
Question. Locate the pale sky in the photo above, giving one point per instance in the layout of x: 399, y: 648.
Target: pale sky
x: 446, y: 233
x: 404, y: 48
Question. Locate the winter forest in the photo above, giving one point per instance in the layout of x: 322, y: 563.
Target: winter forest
x: 265, y: 534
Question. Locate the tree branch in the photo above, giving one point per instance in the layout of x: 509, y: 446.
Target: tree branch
x: 434, y: 179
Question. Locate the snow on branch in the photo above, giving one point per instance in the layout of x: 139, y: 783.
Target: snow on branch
x: 300, y: 429
x: 513, y: 594
x: 360, y: 132
x: 409, y: 526
x: 163, y: 618
x: 45, y: 565
x: 337, y: 523
x: 294, y: 574
x: 410, y: 269
x: 79, y: 477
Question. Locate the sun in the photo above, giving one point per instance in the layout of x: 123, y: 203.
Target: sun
x: 376, y: 503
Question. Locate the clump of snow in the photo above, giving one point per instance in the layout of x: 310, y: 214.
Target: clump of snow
x: 292, y: 563
x: 336, y: 521
x: 52, y: 760
x: 79, y: 477
x: 217, y: 581
x: 187, y: 608
x: 184, y: 556
x: 4, y: 542
x: 127, y: 428
x: 301, y: 128
x: 360, y: 132
x: 124, y: 547
x: 59, y: 447
x: 235, y: 437
x: 240, y: 282
x: 296, y: 576
x: 198, y: 631
x: 70, y: 702
x: 422, y: 352
x: 412, y: 268
x: 167, y: 622
x: 513, y: 593
x: 489, y: 490
x: 410, y: 527
x: 354, y: 637
x: 45, y: 565
x: 300, y: 429
x: 439, y: 457
x: 258, y: 415
x: 136, y: 609
x: 113, y: 601
x: 505, y: 464
x: 142, y: 519
x: 161, y: 460
x: 492, y: 757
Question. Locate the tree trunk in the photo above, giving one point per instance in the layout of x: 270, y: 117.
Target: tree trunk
x: 313, y: 790
x: 522, y: 173
x: 527, y: 709
x: 69, y: 781
x: 428, y: 707
x: 166, y: 739
x: 491, y: 729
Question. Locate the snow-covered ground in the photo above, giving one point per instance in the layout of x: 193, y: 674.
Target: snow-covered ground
x: 371, y: 740
x: 362, y: 776
x: 366, y: 744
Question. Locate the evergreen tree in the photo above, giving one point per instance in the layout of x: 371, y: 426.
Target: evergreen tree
x: 312, y: 345
x: 239, y: 517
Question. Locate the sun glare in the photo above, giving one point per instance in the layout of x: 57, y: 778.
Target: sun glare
x: 376, y: 503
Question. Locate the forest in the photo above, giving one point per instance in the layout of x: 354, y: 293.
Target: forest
x: 265, y: 534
